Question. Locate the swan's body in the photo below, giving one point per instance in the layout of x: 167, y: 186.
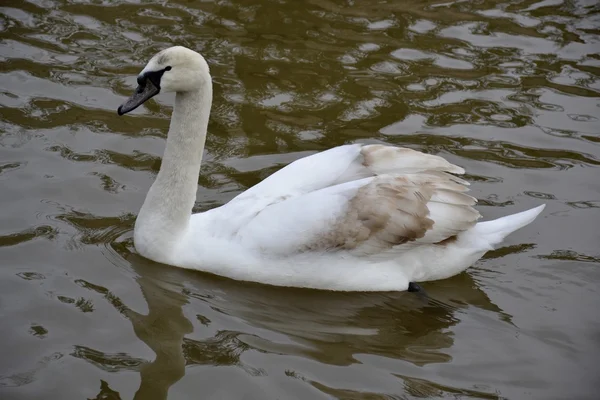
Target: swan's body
x: 356, y: 217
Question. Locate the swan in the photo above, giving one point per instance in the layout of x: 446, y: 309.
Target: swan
x: 358, y: 217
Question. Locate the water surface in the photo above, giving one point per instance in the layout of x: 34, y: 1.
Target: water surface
x: 510, y: 91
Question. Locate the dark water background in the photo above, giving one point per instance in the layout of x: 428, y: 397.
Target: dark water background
x: 508, y: 90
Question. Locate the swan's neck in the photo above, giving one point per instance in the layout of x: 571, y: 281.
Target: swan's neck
x: 165, y: 215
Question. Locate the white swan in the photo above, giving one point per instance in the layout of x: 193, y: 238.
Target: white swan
x: 355, y: 217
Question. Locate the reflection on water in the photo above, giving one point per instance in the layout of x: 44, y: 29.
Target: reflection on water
x: 327, y: 327
x: 162, y: 329
x: 510, y: 91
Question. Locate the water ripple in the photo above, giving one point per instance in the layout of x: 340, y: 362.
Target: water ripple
x: 508, y: 90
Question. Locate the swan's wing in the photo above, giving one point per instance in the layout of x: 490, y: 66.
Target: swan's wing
x: 344, y: 164
x: 365, y: 217
x: 341, y: 165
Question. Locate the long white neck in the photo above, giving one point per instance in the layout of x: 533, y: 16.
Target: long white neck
x: 165, y: 215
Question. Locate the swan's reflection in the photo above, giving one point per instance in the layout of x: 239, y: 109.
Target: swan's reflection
x: 329, y: 327
x: 333, y: 327
x: 162, y: 329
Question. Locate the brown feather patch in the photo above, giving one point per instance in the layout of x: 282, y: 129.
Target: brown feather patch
x: 385, y: 213
x: 413, y: 200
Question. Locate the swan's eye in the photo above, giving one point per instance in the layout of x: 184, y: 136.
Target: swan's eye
x: 168, y: 68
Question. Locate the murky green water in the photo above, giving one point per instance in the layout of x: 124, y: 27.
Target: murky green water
x: 510, y: 91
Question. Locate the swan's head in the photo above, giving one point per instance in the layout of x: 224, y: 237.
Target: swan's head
x: 176, y: 69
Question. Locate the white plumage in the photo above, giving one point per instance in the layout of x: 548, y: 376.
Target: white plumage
x: 356, y: 217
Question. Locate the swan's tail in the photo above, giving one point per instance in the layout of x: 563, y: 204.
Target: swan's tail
x: 494, y: 232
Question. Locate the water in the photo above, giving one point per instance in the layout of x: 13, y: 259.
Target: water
x: 510, y: 91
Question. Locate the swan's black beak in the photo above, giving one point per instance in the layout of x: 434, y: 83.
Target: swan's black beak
x: 145, y: 90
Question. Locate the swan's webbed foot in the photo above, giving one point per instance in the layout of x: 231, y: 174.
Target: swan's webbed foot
x: 414, y: 287
x: 421, y: 293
